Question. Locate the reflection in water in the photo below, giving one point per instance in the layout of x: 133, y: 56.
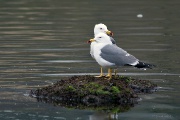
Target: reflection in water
x: 75, y: 104
x: 103, y: 116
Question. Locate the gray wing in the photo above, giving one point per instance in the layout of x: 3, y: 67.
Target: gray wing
x: 117, y: 55
x: 112, y: 40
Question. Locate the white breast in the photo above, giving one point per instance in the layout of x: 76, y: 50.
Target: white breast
x: 97, y: 51
x: 92, y: 49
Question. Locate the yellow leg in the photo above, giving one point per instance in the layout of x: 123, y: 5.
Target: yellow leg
x: 109, y: 74
x: 101, y: 74
x: 115, y: 73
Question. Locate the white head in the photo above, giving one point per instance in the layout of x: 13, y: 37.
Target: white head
x: 101, y: 38
x: 101, y: 28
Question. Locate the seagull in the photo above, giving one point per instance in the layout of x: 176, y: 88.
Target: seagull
x: 108, y: 55
x: 101, y: 28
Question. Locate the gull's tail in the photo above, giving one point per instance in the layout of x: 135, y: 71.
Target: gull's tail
x: 144, y: 65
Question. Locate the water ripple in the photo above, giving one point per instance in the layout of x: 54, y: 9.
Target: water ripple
x: 80, y: 49
x: 127, y: 74
x: 142, y: 28
x: 60, y: 49
x: 142, y: 34
x: 68, y: 61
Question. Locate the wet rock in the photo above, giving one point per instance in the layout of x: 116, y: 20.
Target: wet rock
x: 90, y: 91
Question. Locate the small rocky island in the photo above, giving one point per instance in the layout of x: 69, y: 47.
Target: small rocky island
x: 118, y: 94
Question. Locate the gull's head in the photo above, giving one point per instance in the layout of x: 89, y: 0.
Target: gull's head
x: 101, y: 38
x: 101, y: 28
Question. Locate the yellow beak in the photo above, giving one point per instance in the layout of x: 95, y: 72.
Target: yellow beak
x: 109, y: 33
x: 91, y: 40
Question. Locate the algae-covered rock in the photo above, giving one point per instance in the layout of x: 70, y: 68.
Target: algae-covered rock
x: 91, y: 91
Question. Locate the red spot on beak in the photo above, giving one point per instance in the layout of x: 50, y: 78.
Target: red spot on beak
x: 88, y: 41
x: 111, y: 33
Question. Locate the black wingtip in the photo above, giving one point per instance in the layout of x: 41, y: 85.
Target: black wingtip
x: 144, y: 65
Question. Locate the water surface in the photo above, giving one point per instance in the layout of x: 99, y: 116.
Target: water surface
x: 44, y: 41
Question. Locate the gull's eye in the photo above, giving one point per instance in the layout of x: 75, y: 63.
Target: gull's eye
x: 100, y: 37
x: 101, y: 28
